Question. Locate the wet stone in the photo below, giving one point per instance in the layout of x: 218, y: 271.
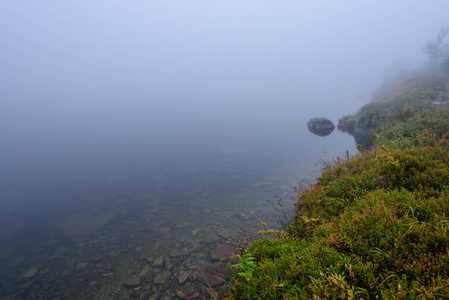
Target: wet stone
x: 79, y: 226
x: 155, y: 296
x: 179, y: 252
x: 145, y: 270
x: 27, y: 274
x: 81, y: 266
x: 187, y: 292
x: 212, y: 239
x: 243, y: 216
x: 145, y: 294
x: 102, y: 265
x: 132, y: 282
x: 158, y: 261
x: 162, y: 277
x: 222, y: 251
x: 128, y: 294
x: 168, y: 264
x: 147, y: 273
x: 213, y: 274
x: 228, y: 233
x: 183, y: 276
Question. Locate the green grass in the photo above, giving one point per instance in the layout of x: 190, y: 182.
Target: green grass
x: 402, y: 127
x: 374, y: 225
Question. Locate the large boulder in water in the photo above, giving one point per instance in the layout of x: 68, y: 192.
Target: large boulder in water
x: 79, y: 226
x: 320, y: 126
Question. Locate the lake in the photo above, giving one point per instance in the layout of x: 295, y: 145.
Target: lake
x: 150, y: 223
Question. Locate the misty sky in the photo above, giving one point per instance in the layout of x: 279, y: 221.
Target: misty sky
x: 93, y: 75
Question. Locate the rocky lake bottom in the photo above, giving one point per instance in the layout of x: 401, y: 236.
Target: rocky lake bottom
x: 136, y: 245
x: 158, y: 234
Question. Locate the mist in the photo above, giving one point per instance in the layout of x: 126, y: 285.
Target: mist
x: 195, y: 97
x: 100, y: 78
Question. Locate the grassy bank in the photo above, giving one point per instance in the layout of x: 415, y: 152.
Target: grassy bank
x: 414, y: 95
x: 374, y: 225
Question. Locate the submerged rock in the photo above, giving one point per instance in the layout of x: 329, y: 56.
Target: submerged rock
x: 214, y: 274
x: 78, y: 227
x: 320, y: 126
x: 81, y: 266
x: 228, y: 233
x: 179, y: 252
x: 132, y: 282
x: 27, y: 274
x: 158, y: 261
x: 188, y: 292
x: 162, y: 277
x: 183, y: 276
x: 222, y: 251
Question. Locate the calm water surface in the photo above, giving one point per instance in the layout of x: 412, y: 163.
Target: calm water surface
x: 148, y: 228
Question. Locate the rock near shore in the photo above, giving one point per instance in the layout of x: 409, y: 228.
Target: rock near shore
x: 320, y: 126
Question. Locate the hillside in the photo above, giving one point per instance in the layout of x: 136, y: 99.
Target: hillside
x: 414, y: 95
x: 374, y: 225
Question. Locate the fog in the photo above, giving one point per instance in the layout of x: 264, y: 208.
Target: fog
x: 87, y: 86
x: 154, y: 125
x: 86, y: 80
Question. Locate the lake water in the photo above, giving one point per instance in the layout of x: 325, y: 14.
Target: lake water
x: 148, y: 226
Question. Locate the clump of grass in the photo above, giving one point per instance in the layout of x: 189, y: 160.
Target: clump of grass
x: 374, y: 226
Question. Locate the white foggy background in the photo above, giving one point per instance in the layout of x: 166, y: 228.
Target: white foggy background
x: 91, y: 82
